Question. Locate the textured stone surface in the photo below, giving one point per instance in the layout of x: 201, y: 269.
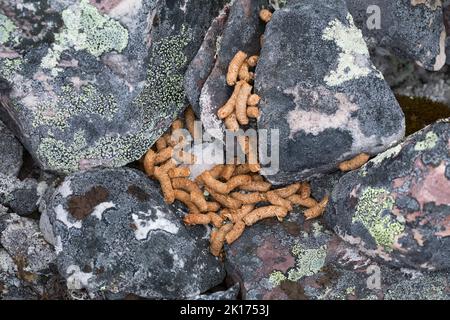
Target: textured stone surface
x: 319, y: 88
x: 242, y: 32
x: 396, y: 207
x: 11, y: 152
x: 27, y: 262
x: 201, y: 66
x: 411, y: 29
x: 98, y: 83
x: 297, y: 260
x: 21, y: 196
x: 114, y: 233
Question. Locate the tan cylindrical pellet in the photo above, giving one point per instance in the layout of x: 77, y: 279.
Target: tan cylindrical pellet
x: 235, y: 65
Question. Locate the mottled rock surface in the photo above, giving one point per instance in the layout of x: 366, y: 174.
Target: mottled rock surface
x: 396, y: 207
x: 242, y: 31
x: 411, y: 29
x: 27, y: 262
x: 321, y: 91
x: 21, y: 196
x: 302, y: 260
x: 96, y: 83
x: 114, y: 233
x: 11, y: 152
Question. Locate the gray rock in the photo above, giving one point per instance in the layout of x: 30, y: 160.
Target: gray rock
x: 201, y: 66
x: 396, y: 208
x: 27, y: 262
x: 11, y: 287
x: 21, y: 196
x: 242, y: 31
x: 102, y: 85
x: 11, y: 152
x: 410, y: 29
x: 299, y: 260
x: 229, y: 294
x: 319, y: 88
x: 114, y: 233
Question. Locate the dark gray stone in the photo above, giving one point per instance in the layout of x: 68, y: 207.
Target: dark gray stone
x: 230, y: 294
x: 410, y: 29
x: 11, y: 152
x: 99, y: 87
x: 396, y: 208
x: 242, y: 31
x: 114, y: 233
x: 201, y: 66
x: 21, y: 196
x: 319, y: 88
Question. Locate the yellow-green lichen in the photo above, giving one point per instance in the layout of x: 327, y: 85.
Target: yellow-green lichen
x: 160, y: 101
x: 276, y: 278
x: 308, y: 261
x: 350, y: 291
x: 6, y: 28
x: 85, y: 28
x: 428, y: 143
x: 8, y: 67
x: 163, y: 88
x: 373, y: 212
x: 70, y: 102
x: 109, y: 150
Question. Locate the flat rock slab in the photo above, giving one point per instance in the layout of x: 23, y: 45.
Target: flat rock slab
x: 302, y: 260
x: 396, y: 208
x: 114, y: 233
x: 411, y: 29
x: 11, y: 152
x: 319, y: 88
x: 100, y: 81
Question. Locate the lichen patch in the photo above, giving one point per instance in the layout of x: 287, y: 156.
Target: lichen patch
x: 144, y: 223
x: 354, y: 59
x: 373, y: 211
x: 85, y: 28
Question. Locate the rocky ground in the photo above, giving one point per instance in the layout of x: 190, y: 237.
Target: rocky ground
x: 87, y: 87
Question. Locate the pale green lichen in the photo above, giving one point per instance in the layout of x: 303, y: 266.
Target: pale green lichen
x: 350, y: 291
x: 6, y: 28
x: 308, y: 261
x: 164, y: 83
x: 85, y: 28
x: 70, y: 102
x: 69, y: 157
x: 430, y: 141
x: 161, y: 99
x: 373, y: 211
x: 354, y: 59
x: 8, y: 67
x: 276, y: 278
